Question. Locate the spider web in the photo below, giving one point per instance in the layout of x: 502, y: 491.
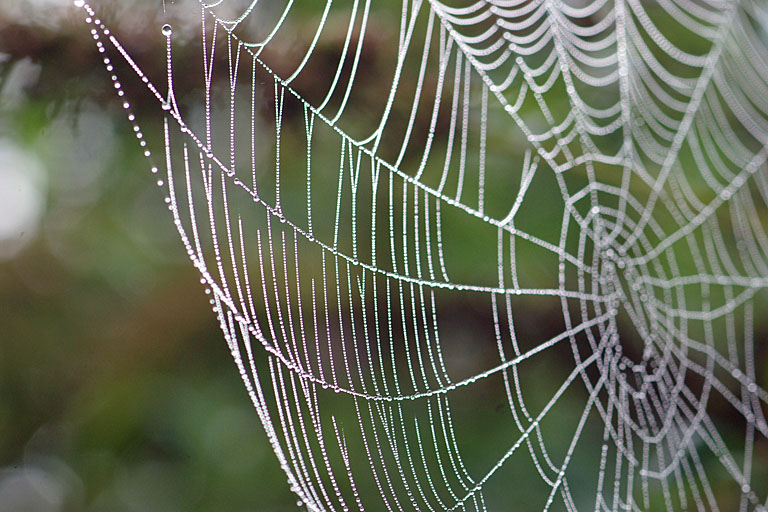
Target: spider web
x: 510, y: 255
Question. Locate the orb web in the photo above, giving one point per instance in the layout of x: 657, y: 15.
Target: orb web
x: 468, y: 254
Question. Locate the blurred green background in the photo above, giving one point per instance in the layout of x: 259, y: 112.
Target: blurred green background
x: 117, y: 390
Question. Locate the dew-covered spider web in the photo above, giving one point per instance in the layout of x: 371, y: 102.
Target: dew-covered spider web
x: 489, y: 255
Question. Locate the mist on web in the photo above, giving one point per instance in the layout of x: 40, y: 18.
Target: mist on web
x: 466, y: 255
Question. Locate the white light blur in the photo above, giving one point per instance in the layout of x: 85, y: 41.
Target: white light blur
x: 22, y: 198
